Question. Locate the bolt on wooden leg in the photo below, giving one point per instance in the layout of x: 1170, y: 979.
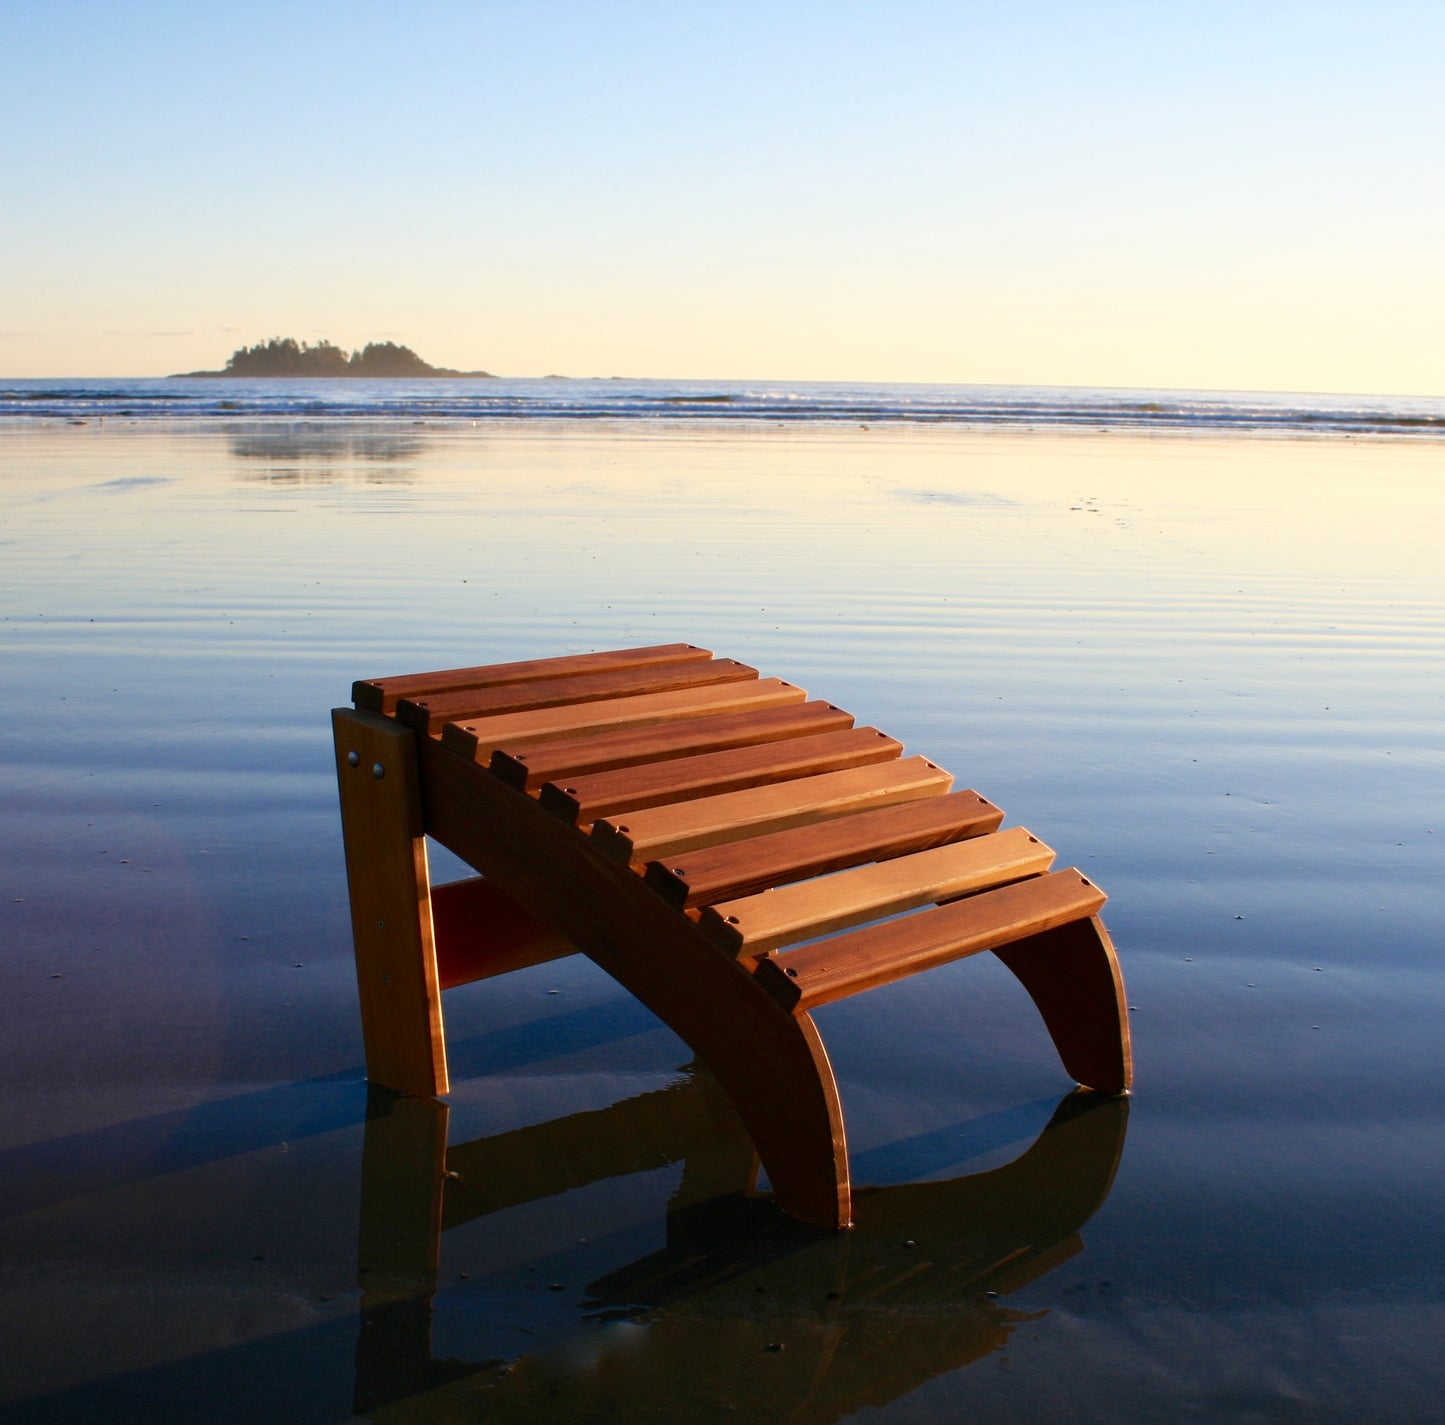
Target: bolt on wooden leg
x: 391, y: 922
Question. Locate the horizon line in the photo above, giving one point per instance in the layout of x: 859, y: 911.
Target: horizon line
x: 772, y: 381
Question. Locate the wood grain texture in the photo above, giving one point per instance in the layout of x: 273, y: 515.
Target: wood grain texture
x: 382, y: 694
x: 583, y: 799
x: 478, y: 738
x: 389, y: 886
x: 777, y: 858
x: 860, y: 960
x: 428, y: 714
x: 667, y: 831
x: 757, y: 924
x: 772, y: 1064
x: 528, y: 765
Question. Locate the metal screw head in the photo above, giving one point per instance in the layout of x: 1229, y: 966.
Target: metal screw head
x: 378, y: 771
x: 353, y: 758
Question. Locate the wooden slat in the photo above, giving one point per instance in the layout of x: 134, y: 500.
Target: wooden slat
x: 428, y: 714
x: 383, y: 694
x: 757, y: 924
x: 527, y: 765
x: 813, y: 975
x: 584, y: 799
x: 478, y: 738
x: 668, y: 831
x: 775, y: 859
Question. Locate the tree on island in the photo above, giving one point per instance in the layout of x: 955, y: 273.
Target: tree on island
x: 285, y: 356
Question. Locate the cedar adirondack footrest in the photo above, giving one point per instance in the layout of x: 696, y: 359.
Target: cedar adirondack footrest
x: 732, y: 852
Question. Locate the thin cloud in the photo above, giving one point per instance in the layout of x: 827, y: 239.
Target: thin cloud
x: 117, y: 331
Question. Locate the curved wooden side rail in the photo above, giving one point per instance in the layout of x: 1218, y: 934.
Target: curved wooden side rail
x: 685, y: 824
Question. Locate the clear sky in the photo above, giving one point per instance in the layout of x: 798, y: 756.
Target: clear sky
x: 1185, y: 194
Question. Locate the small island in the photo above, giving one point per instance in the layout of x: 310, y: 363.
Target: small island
x: 285, y: 356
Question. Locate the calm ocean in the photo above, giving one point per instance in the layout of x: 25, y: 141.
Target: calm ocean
x: 1205, y: 668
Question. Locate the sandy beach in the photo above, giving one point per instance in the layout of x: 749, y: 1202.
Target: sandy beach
x: 1206, y: 669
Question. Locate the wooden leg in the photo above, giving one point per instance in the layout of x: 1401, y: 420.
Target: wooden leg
x: 391, y: 922
x: 1073, y: 976
x: 793, y: 1115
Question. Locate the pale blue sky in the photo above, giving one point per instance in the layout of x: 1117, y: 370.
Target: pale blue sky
x: 1222, y: 195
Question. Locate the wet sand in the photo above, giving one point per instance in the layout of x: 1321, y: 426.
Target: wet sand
x: 1205, y: 670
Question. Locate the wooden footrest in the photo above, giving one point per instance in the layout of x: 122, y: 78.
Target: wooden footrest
x: 734, y: 853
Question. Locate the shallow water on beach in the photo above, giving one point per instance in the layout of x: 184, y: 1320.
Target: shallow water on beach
x: 1205, y: 669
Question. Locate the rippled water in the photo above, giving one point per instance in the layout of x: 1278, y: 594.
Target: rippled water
x: 1207, y: 670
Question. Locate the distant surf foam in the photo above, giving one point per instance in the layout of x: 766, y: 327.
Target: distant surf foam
x: 615, y: 399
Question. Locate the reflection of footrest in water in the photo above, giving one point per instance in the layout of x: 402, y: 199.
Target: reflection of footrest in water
x: 915, y: 1292
x: 689, y: 825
